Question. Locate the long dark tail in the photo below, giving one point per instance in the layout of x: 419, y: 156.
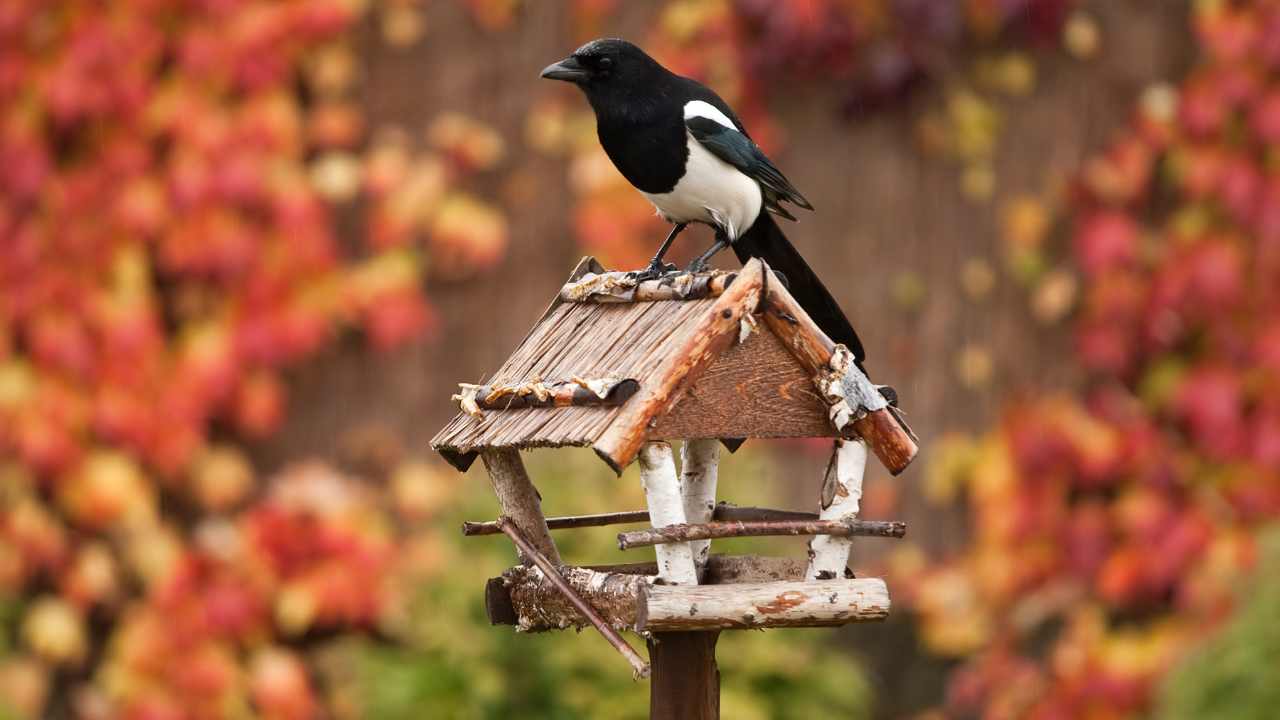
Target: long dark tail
x: 766, y: 241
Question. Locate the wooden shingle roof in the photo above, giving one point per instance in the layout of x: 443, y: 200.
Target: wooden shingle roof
x: 704, y: 367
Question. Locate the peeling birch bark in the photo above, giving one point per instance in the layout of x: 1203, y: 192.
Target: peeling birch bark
x: 841, y: 494
x: 666, y: 507
x: 815, y: 603
x: 699, y: 460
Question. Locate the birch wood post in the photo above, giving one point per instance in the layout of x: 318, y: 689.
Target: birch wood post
x: 841, y: 493
x: 519, y: 500
x: 666, y: 507
x: 699, y: 459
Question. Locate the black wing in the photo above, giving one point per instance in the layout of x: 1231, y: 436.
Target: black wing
x: 740, y: 151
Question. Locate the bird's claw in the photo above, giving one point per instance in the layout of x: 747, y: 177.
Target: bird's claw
x: 652, y: 272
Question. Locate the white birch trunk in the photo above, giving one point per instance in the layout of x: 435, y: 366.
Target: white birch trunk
x: 666, y: 507
x: 841, y: 493
x: 699, y: 460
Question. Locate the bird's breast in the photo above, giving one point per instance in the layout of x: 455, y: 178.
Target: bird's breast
x: 710, y: 191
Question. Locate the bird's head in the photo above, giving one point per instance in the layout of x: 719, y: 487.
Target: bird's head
x: 604, y: 66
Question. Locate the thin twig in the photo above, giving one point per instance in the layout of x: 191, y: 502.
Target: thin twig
x: 638, y: 664
x: 724, y: 512
x: 714, y: 530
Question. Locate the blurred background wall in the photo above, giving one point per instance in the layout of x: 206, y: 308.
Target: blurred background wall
x: 248, y: 248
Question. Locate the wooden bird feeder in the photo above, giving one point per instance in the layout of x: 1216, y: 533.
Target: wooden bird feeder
x: 707, y: 359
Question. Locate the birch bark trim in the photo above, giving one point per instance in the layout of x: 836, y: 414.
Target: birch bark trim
x: 840, y: 497
x: 818, y: 603
x: 666, y: 507
x: 699, y: 461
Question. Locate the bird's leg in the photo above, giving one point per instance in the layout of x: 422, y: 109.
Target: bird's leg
x: 656, y: 266
x: 722, y: 242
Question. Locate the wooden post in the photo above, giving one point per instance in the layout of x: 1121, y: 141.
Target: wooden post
x: 841, y: 493
x: 520, y: 500
x: 699, y: 459
x: 666, y: 507
x: 685, y: 682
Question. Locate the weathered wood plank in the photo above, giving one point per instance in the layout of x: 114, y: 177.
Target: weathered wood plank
x: 755, y: 389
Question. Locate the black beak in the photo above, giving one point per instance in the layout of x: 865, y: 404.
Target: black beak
x: 568, y: 69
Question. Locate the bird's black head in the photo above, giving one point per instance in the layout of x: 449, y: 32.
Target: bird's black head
x: 605, y: 67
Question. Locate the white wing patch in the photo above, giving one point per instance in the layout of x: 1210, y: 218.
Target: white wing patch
x: 704, y: 109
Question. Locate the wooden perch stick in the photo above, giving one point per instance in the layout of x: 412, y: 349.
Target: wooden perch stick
x: 621, y: 287
x: 890, y: 441
x: 818, y: 603
x: 724, y: 511
x: 638, y: 665
x: 720, y: 530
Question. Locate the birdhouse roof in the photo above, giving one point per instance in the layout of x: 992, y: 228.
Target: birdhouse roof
x: 611, y: 370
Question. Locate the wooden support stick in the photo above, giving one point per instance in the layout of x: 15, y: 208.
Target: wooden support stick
x: 519, y: 499
x: 766, y: 528
x: 723, y: 511
x: 841, y: 494
x: 817, y: 603
x: 699, y: 460
x: 639, y: 667
x: 666, y: 507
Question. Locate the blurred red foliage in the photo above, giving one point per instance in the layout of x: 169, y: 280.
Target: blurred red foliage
x: 1110, y: 530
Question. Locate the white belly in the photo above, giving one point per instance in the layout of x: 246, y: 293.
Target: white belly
x: 712, y: 191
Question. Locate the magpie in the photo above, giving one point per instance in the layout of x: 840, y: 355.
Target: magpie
x: 683, y: 147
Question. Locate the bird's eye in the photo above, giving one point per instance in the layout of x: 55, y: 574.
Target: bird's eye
x: 605, y: 63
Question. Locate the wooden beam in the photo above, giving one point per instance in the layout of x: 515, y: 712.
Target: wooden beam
x: 519, y: 499
x: 817, y: 603
x: 766, y: 528
x: 699, y: 461
x: 662, y: 492
x: 841, y: 494
x: 716, y: 331
x: 892, y: 442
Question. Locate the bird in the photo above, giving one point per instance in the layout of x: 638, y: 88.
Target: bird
x: 682, y: 146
